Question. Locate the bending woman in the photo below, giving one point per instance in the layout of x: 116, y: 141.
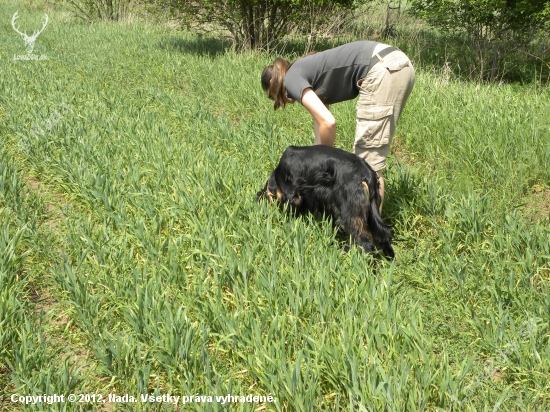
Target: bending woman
x: 381, y: 75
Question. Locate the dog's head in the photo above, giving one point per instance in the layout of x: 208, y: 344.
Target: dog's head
x: 283, y: 192
x: 270, y: 190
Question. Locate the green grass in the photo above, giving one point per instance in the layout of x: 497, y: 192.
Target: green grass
x: 143, y: 263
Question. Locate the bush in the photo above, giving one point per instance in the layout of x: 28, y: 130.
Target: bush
x: 496, y: 32
x: 93, y: 10
x: 259, y: 24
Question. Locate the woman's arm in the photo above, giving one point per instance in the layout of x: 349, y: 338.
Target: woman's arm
x: 323, y: 120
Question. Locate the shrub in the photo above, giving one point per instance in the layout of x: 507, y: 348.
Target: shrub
x: 258, y: 24
x: 497, y: 30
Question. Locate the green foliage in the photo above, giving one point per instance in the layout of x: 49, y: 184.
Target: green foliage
x: 497, y: 29
x: 493, y: 17
x: 165, y: 276
x: 258, y: 24
x: 543, y: 17
x: 29, y: 363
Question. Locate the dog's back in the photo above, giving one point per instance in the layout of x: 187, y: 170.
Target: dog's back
x: 318, y: 162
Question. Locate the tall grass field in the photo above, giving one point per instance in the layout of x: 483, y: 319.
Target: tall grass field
x: 135, y: 262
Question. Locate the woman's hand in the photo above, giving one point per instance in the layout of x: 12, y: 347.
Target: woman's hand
x: 323, y: 120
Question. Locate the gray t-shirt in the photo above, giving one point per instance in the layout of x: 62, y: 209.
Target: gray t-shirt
x: 332, y: 74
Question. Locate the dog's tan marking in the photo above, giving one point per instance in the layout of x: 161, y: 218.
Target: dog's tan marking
x: 279, y: 194
x: 367, y: 192
x: 359, y: 225
x: 369, y: 234
x: 366, y: 229
x: 298, y: 200
x: 379, y: 199
x: 270, y: 196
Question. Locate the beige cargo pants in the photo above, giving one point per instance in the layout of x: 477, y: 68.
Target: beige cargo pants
x: 382, y: 96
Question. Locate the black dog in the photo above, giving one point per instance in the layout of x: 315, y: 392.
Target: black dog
x: 326, y: 179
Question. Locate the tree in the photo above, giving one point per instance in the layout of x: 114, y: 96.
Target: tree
x: 257, y: 23
x: 496, y: 27
x: 495, y: 17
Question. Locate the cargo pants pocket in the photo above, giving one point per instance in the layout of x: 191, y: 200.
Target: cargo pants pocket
x: 373, y: 126
x: 396, y: 65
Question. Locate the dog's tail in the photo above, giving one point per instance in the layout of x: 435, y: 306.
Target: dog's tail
x: 381, y: 233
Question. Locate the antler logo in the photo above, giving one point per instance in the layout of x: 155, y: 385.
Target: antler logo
x: 29, y: 40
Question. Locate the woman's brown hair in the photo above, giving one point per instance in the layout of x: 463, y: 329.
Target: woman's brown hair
x: 273, y: 82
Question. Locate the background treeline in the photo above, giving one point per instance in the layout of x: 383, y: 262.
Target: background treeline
x: 495, y: 40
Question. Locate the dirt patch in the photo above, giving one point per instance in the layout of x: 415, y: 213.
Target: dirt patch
x: 53, y: 208
x: 5, y: 403
x: 47, y: 307
x: 44, y: 302
x: 537, y: 204
x: 400, y: 152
